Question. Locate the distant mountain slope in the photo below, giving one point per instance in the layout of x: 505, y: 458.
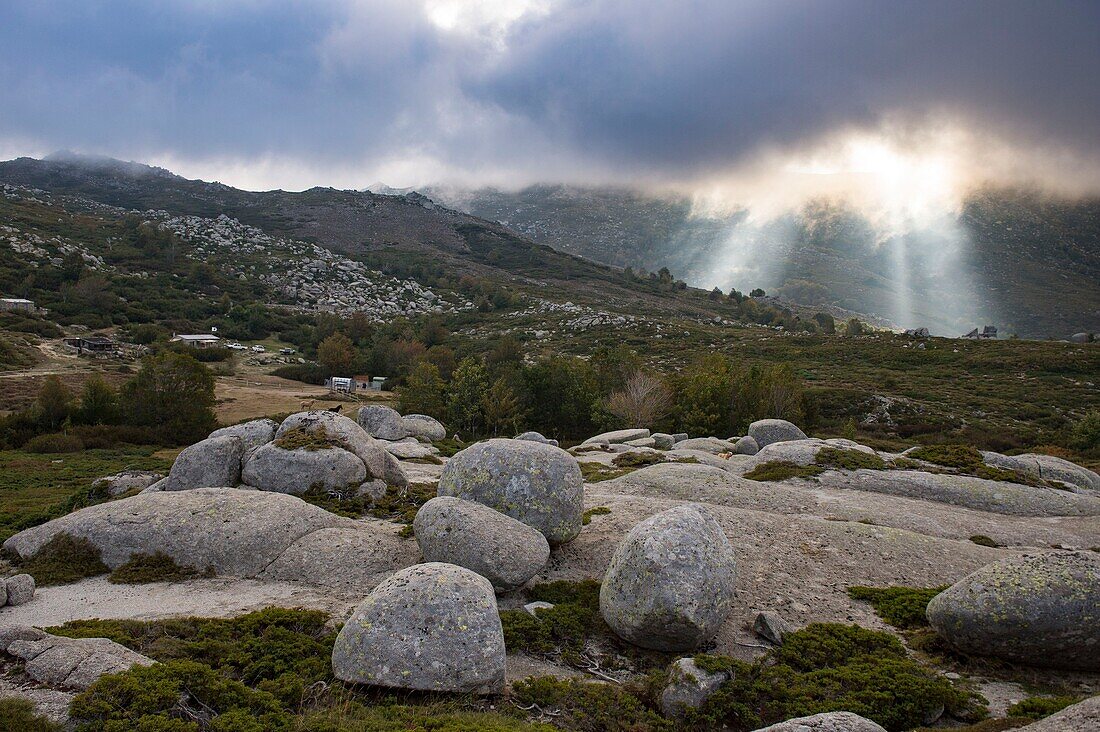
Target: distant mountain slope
x: 1024, y: 262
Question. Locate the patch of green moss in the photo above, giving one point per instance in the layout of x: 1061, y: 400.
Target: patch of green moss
x: 593, y: 472
x: 901, y: 607
x: 20, y: 714
x: 967, y: 460
x: 774, y: 470
x: 300, y: 438
x: 983, y: 540
x: 589, y: 707
x: 426, y: 460
x: 63, y: 559
x: 156, y: 567
x: 397, y: 507
x: 840, y: 459
x: 1037, y: 707
x: 637, y: 459
x: 586, y: 517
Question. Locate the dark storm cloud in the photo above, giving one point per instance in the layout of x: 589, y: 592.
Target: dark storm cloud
x: 638, y: 87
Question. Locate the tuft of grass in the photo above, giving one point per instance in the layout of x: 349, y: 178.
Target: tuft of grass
x: 1037, y: 707
x: 63, y: 559
x: 983, y: 540
x: 593, y: 472
x: 300, y: 438
x: 637, y: 459
x: 20, y: 715
x: 901, y: 607
x: 586, y: 517
x: 142, y: 569
x: 840, y: 459
x: 775, y: 470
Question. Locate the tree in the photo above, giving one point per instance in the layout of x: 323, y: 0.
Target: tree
x: 826, y: 322
x: 98, y: 402
x: 337, y: 355
x: 54, y: 403
x: 465, y: 401
x: 704, y: 396
x: 424, y: 392
x: 560, y: 397
x: 854, y: 327
x: 501, y: 408
x: 757, y: 293
x: 173, y: 393
x: 643, y: 400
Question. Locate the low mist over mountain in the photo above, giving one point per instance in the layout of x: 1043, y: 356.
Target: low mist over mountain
x: 1025, y: 262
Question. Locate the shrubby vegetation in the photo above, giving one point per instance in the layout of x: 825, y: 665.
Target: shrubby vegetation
x: 63, y: 559
x: 901, y: 607
x: 20, y: 714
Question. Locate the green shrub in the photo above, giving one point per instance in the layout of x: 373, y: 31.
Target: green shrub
x: 586, y: 517
x: 962, y: 457
x: 1037, y: 707
x: 308, y: 373
x: 783, y: 470
x: 901, y: 607
x: 574, y: 618
x: 589, y: 707
x: 983, y: 540
x: 64, y: 559
x: 593, y: 472
x: 19, y: 715
x: 832, y: 457
x: 1085, y: 434
x: 177, y: 695
x: 56, y: 442
x: 142, y: 569
x: 351, y: 716
x: 637, y: 459
x: 822, y: 645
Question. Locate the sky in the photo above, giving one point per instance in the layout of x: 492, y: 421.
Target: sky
x: 901, y: 102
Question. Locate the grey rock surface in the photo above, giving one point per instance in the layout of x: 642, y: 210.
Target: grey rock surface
x: 431, y: 627
x: 746, y: 446
x: 663, y: 440
x: 642, y: 442
x: 536, y: 437
x: 1084, y: 716
x: 617, y: 436
x: 712, y: 445
x: 352, y: 437
x: 211, y: 463
x: 381, y: 422
x: 769, y: 626
x: 532, y: 608
x: 537, y: 484
x: 69, y: 663
x: 410, y: 449
x: 802, y: 452
x: 1046, y: 467
x: 271, y: 468
x: 670, y: 583
x: 352, y: 558
x: 768, y: 431
x: 1035, y: 609
x: 126, y: 481
x: 235, y: 532
x: 252, y: 434
x: 20, y: 589
x: 689, y: 687
x: 424, y: 428
x: 499, y: 548
x: 827, y: 722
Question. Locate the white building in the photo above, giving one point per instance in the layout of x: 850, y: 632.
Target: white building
x: 16, y: 304
x: 202, y: 340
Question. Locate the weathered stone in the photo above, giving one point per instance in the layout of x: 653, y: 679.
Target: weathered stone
x: 746, y: 446
x: 271, y: 468
x: 410, y: 449
x: 713, y: 445
x: 827, y: 722
x: 71, y: 663
x: 1037, y: 609
x: 1046, y: 467
x: 679, y: 437
x: 212, y: 463
x: 1084, y: 716
x: 769, y: 626
x: 252, y: 434
x: 431, y: 627
x: 802, y: 452
x: 663, y: 440
x: 536, y: 437
x: 424, y: 428
x: 354, y: 558
x: 352, y: 437
x: 670, y: 583
x: 381, y: 422
x: 689, y: 687
x: 532, y: 608
x: 643, y: 442
x: 767, y: 431
x: 537, y: 484
x: 126, y: 481
x: 10, y: 633
x: 499, y: 548
x: 617, y: 436
x: 20, y: 589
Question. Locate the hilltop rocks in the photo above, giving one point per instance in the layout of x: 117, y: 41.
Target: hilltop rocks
x: 211, y: 463
x: 617, y: 437
x: 689, y: 688
x: 350, y: 436
x: 381, y: 422
x: 669, y: 585
x: 746, y: 446
x: 271, y: 468
x: 827, y: 722
x: 536, y: 437
x: 67, y: 663
x: 497, y: 547
x: 252, y: 434
x: 537, y: 484
x: 1046, y: 467
x: 126, y: 481
x: 767, y: 431
x: 804, y: 451
x: 1038, y: 609
x: 712, y: 445
x: 432, y: 627
x: 423, y: 427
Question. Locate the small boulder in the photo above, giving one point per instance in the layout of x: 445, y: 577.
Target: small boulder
x: 537, y: 484
x: 126, y: 481
x: 1036, y: 609
x: 536, y: 437
x: 212, y: 463
x: 643, y: 442
x: 252, y: 434
x: 617, y: 436
x: 713, y: 445
x: 272, y: 468
x: 827, y: 722
x: 382, y: 422
x: 20, y: 589
x: 499, y: 548
x: 410, y: 449
x: 746, y: 446
x: 424, y: 428
x: 670, y: 582
x: 431, y: 627
x: 689, y: 687
x: 772, y: 628
x: 663, y: 440
x: 69, y: 663
x: 767, y: 431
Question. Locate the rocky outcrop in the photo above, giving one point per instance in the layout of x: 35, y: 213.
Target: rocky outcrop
x: 212, y: 463
x: 432, y: 627
x: 67, y: 663
x: 126, y: 481
x: 616, y: 437
x: 827, y: 722
x: 669, y: 585
x: 382, y: 422
x: 1047, y: 467
x: 424, y: 428
x: 252, y: 434
x: 271, y: 468
x: 767, y: 431
x: 712, y: 445
x: 689, y: 687
x: 353, y: 557
x: 663, y: 440
x: 537, y: 484
x: 802, y: 452
x: 1038, y: 609
x: 410, y: 449
x: 351, y: 437
x: 499, y: 548
x: 536, y: 437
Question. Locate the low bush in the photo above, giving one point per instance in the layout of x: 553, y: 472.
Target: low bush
x: 592, y: 472
x: 352, y: 716
x: 64, y: 559
x: 637, y: 459
x: 962, y: 457
x: 307, y: 373
x: 145, y: 568
x: 901, y: 607
x: 586, y: 517
x: 574, y: 618
x: 775, y: 470
x: 832, y: 457
x: 1037, y: 707
x: 398, y: 507
x: 109, y: 436
x: 589, y: 707
x: 19, y: 715
x: 55, y: 442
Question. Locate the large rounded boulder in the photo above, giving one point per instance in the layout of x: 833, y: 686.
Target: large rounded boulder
x: 350, y: 436
x: 273, y: 468
x: 1037, y: 609
x: 537, y: 484
x: 499, y: 548
x: 382, y: 422
x: 253, y: 434
x: 767, y: 431
x: 424, y: 428
x: 211, y: 463
x: 670, y: 583
x: 431, y: 627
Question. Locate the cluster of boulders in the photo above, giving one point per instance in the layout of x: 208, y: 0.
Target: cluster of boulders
x: 66, y: 663
x: 407, y: 437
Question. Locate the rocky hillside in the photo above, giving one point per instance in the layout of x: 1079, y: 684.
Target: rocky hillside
x: 999, y: 261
